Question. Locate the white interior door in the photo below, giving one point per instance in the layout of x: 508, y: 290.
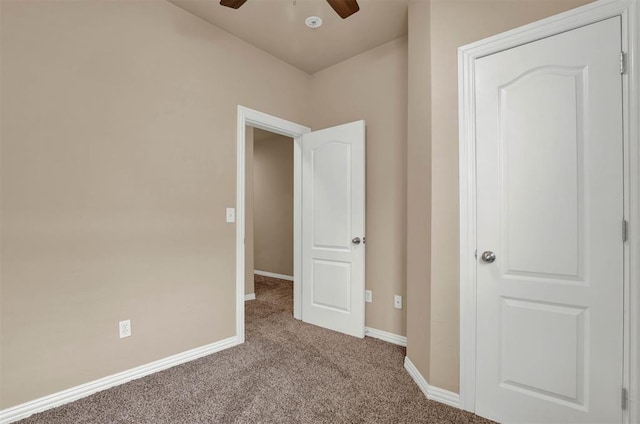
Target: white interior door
x: 333, y: 211
x: 550, y: 207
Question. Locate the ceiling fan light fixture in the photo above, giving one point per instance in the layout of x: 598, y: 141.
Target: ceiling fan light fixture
x: 313, y: 22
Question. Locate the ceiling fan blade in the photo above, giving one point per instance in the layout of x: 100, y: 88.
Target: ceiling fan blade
x: 234, y: 4
x: 344, y: 8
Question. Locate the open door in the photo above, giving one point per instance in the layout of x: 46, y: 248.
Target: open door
x: 333, y: 225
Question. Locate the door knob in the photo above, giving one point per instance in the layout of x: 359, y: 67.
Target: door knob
x: 488, y: 256
x: 356, y: 240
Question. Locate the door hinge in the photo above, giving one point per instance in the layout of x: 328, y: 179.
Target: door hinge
x: 625, y: 230
x: 623, y: 63
x: 625, y: 398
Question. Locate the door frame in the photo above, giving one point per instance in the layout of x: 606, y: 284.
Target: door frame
x: 263, y: 121
x: 629, y: 11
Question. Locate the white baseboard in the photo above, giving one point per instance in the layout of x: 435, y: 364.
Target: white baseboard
x: 26, y: 409
x: 273, y: 275
x: 386, y: 336
x: 431, y: 392
x: 250, y: 296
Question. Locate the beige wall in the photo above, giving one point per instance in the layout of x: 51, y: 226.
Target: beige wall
x: 419, y: 185
x: 249, y: 286
x: 454, y: 23
x: 273, y: 203
x: 373, y: 86
x: 118, y: 160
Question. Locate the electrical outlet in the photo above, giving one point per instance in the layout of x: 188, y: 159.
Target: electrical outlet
x: 368, y: 297
x: 397, y: 301
x: 231, y: 215
x: 125, y: 328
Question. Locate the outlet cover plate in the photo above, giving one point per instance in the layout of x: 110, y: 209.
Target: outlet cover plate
x: 125, y: 328
x: 397, y: 301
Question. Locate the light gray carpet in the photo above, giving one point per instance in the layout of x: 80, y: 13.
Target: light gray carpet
x: 285, y: 372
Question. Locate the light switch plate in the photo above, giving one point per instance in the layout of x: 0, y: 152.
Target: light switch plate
x: 231, y: 215
x: 368, y: 296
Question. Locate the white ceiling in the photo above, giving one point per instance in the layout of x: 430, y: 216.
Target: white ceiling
x: 277, y: 26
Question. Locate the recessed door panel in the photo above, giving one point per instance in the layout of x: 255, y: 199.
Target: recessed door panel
x: 331, y: 175
x: 541, y: 135
x: 529, y: 365
x: 332, y: 288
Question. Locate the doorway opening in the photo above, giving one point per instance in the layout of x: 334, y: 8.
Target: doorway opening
x: 328, y: 221
x: 269, y: 221
x: 248, y: 118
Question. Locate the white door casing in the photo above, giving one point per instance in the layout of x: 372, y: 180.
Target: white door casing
x: 257, y: 119
x: 549, y: 157
x: 352, y: 134
x: 629, y: 13
x: 333, y: 216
